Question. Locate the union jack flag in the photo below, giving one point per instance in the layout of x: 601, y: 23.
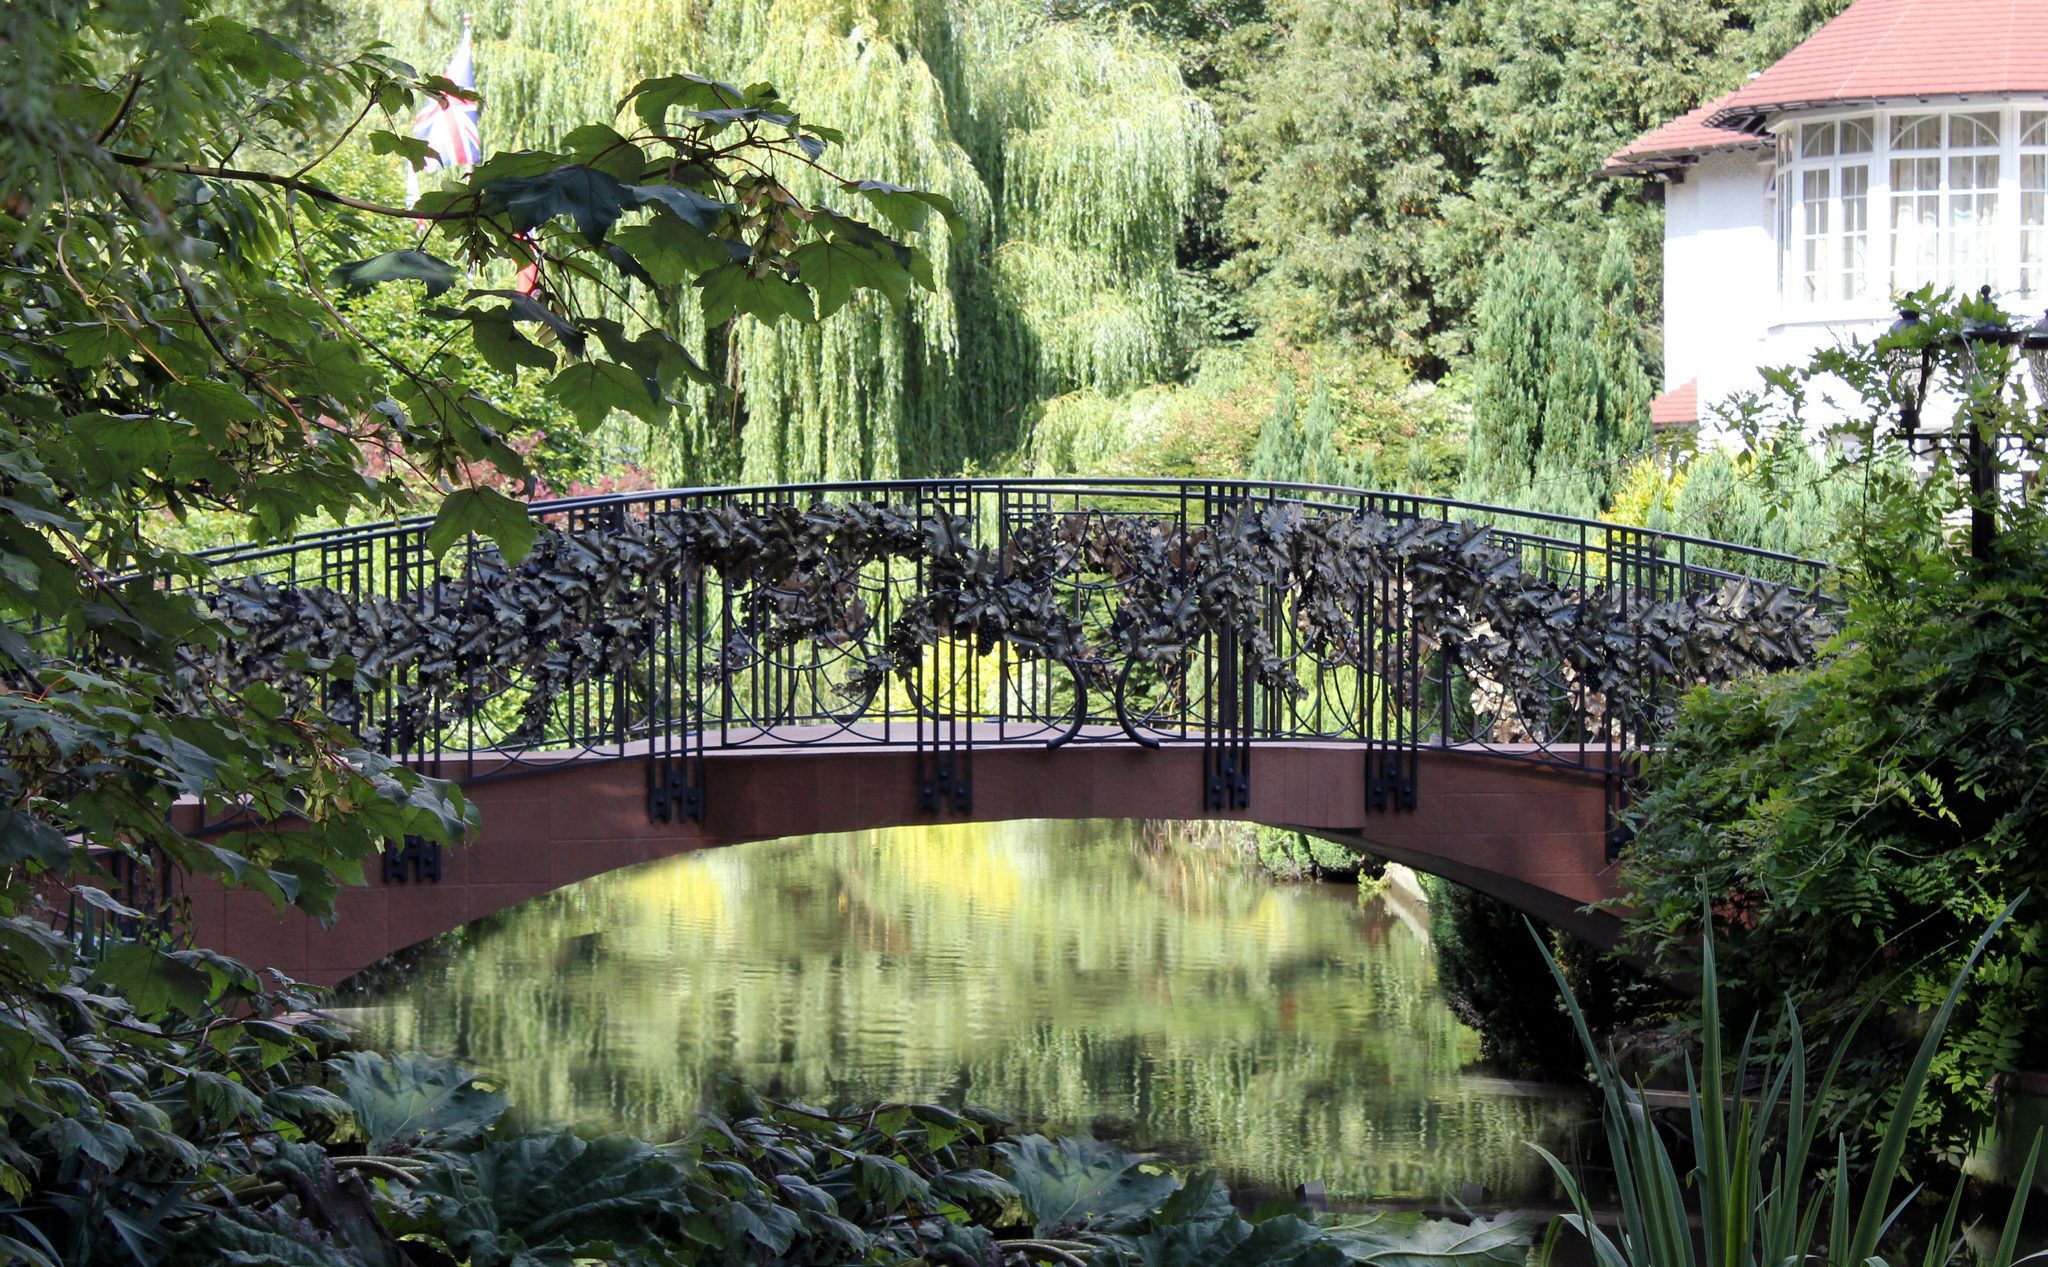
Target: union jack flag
x: 447, y: 124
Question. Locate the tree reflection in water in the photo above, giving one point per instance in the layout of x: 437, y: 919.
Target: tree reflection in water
x: 1088, y: 976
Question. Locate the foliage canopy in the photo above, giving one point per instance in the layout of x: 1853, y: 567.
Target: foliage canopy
x: 1854, y: 821
x: 175, y: 339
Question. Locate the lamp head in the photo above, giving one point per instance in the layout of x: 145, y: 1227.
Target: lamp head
x: 2034, y: 346
x: 1909, y: 365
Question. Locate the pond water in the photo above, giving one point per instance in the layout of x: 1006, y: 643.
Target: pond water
x: 1100, y: 977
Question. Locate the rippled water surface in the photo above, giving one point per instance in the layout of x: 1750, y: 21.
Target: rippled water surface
x: 1079, y: 976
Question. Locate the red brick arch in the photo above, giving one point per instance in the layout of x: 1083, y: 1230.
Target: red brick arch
x: 1530, y: 834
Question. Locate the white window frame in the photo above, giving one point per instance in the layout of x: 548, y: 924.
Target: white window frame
x: 1813, y: 244
x: 1880, y: 280
x: 2033, y: 290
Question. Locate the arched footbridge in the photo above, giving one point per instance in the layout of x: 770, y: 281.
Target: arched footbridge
x: 1465, y: 689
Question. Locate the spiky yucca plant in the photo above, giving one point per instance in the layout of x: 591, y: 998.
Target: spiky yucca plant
x: 1752, y: 1158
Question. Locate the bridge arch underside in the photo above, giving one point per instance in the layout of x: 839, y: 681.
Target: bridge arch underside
x: 1528, y: 833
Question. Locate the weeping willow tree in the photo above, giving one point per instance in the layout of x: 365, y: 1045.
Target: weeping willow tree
x: 1073, y: 154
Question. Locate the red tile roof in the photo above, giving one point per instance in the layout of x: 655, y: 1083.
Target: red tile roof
x: 1669, y: 146
x: 1880, y: 50
x: 1679, y: 407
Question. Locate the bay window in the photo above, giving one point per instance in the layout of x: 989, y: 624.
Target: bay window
x: 1885, y: 201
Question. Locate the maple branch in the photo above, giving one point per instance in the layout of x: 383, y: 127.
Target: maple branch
x: 319, y: 193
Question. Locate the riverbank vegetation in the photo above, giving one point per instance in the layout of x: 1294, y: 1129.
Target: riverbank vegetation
x: 1755, y: 1122
x: 404, y: 1160
x: 1855, y: 821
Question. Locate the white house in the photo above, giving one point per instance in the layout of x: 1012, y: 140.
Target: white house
x: 1905, y: 143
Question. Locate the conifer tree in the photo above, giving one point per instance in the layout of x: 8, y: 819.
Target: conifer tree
x: 1298, y: 442
x: 1279, y: 438
x: 1622, y: 329
x: 1560, y: 397
x: 1524, y: 319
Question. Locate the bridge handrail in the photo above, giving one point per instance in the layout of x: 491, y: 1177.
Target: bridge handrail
x: 1280, y: 490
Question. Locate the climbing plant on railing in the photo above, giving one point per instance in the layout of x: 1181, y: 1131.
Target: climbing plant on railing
x: 588, y: 604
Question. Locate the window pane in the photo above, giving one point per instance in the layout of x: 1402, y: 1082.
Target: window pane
x: 1972, y: 172
x: 1855, y: 231
x: 2034, y: 128
x: 1916, y: 175
x: 1854, y: 136
x: 1916, y: 222
x: 1817, y: 140
x: 1973, y: 131
x: 1813, y: 210
x: 1972, y: 220
x: 2034, y: 224
x: 1916, y: 132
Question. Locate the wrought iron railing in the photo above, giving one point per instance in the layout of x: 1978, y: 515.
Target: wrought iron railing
x: 947, y: 616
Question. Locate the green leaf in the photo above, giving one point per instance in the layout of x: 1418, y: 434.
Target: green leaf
x: 593, y: 199
x: 592, y: 389
x: 415, y: 1100
x: 1083, y: 1183
x: 732, y: 288
x: 654, y: 355
x: 706, y: 215
x: 396, y: 266
x: 412, y: 149
x: 673, y: 252
x: 907, y: 209
x: 1409, y: 1239
x: 964, y: 1186
x: 627, y: 265
x: 132, y: 441
x: 94, y: 343
x: 208, y: 404
x: 888, y: 1182
x: 485, y: 512
x: 771, y: 1227
x: 267, y: 1236
x: 832, y: 271
x: 556, y: 1197
x: 220, y: 1096
x: 154, y: 979
x: 653, y: 98
x: 1229, y: 1242
x: 506, y: 350
x: 24, y: 838
x: 830, y: 224
x: 522, y: 308
x: 601, y: 147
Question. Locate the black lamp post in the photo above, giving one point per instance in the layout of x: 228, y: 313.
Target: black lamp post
x: 1983, y: 469
x: 1912, y: 368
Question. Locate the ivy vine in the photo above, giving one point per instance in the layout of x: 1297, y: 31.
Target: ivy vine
x: 1275, y: 579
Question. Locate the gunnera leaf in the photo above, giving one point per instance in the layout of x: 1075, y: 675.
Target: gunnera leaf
x: 1409, y: 1239
x: 1084, y: 1184
x: 415, y: 1101
x: 553, y: 1198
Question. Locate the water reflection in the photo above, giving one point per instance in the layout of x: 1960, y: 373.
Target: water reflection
x: 1082, y: 976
